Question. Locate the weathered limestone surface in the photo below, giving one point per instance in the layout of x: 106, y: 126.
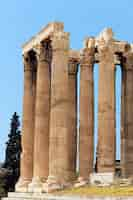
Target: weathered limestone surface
x: 34, y: 82
x: 59, y: 172
x: 123, y: 132
x: 101, y: 179
x: 72, y: 70
x: 42, y: 110
x: 86, y: 149
x: 127, y: 116
x: 106, y: 109
x: 26, y: 172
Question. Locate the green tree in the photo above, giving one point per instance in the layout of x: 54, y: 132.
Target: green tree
x: 2, y: 187
x: 12, y: 155
x: 3, y: 173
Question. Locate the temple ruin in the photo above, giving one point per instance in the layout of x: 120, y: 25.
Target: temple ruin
x: 49, y: 132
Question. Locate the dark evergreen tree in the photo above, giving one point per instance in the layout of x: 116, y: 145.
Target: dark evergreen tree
x: 2, y: 187
x: 3, y: 175
x: 13, y: 151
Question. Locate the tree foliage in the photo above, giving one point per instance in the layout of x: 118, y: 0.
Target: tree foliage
x: 12, y: 155
x: 2, y: 187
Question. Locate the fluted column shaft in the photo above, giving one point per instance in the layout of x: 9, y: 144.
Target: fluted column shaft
x: 26, y: 170
x: 123, y: 132
x: 59, y: 137
x: 106, y: 109
x: 42, y: 112
x: 86, y: 143
x: 127, y: 116
x: 73, y: 67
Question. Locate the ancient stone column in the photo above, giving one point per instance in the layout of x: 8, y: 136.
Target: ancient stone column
x: 59, y: 172
x: 123, y: 132
x: 127, y: 116
x: 86, y: 141
x: 42, y: 112
x: 106, y: 110
x: 73, y: 67
x: 34, y: 80
x: 26, y: 171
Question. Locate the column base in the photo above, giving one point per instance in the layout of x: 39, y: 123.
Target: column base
x: 81, y: 182
x: 102, y: 179
x: 22, y: 185
x: 36, y: 185
x: 52, y: 184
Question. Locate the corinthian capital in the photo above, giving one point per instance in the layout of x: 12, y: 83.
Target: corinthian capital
x: 87, y: 54
x: 128, y: 60
x: 89, y: 42
x: 42, y: 52
x: 105, y: 40
x: 72, y: 67
x: 27, y: 62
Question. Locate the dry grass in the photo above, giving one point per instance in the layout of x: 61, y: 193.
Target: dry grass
x: 98, y: 191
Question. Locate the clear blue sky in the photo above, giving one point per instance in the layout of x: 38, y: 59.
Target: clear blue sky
x: 19, y: 20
